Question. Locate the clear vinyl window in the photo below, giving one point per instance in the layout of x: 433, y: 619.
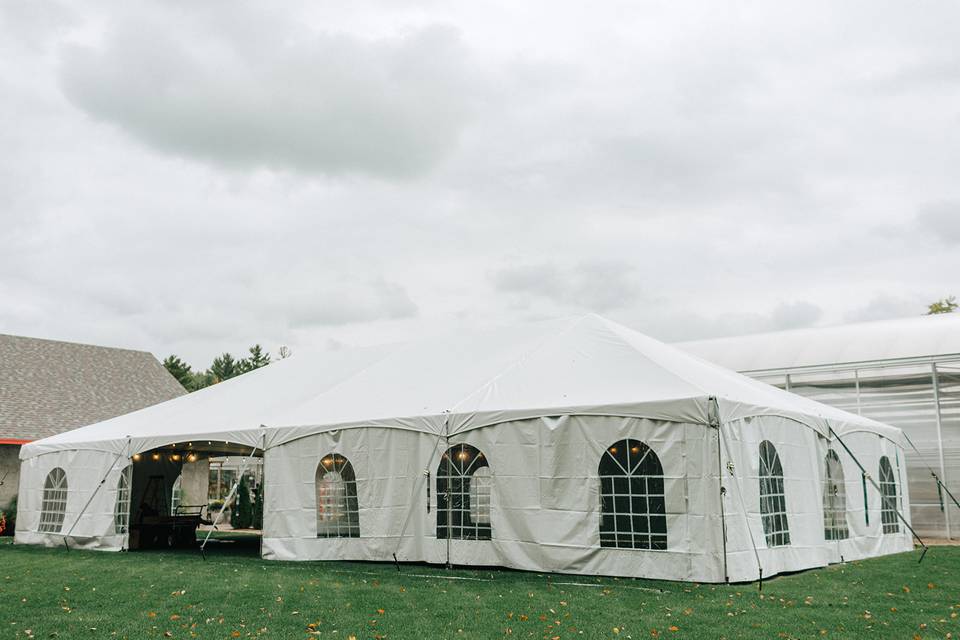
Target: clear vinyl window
x: 888, y: 496
x: 54, y: 506
x: 632, y: 503
x: 176, y: 495
x: 834, y: 500
x: 773, y: 500
x: 464, y: 481
x: 338, y: 511
x: 121, y: 510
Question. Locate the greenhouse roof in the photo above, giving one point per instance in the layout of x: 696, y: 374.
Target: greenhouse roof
x: 881, y: 341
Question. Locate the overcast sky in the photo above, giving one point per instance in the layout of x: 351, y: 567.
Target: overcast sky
x: 192, y: 177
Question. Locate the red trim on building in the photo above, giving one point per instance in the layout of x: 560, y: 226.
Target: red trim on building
x: 13, y: 441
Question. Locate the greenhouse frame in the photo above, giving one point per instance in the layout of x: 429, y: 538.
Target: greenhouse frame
x: 903, y: 372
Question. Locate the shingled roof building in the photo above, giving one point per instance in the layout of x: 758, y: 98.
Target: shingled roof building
x: 48, y: 387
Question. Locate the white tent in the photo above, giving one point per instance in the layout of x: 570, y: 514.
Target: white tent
x: 575, y: 445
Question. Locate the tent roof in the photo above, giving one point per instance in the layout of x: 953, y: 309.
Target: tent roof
x: 457, y: 382
x: 878, y: 341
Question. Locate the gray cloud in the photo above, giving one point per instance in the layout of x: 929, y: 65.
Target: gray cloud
x: 600, y: 286
x: 884, y: 307
x: 314, y: 101
x: 941, y: 220
x: 362, y: 302
x: 795, y: 315
x: 195, y: 179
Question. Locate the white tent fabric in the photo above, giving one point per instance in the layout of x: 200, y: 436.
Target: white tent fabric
x: 542, y: 402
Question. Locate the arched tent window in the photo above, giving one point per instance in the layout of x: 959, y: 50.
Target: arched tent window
x: 54, y: 506
x: 773, y: 501
x: 176, y: 495
x: 834, y: 500
x: 632, y: 504
x: 463, y: 494
x: 121, y: 510
x: 338, y: 511
x: 888, y: 493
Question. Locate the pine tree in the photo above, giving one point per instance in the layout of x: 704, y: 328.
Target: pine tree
x: 179, y: 370
x: 258, y: 358
x: 258, y: 509
x: 225, y: 367
x: 244, y: 511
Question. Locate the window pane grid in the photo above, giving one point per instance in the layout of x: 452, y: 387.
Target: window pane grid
x: 338, y: 510
x: 464, y: 484
x: 773, y: 501
x: 834, y: 500
x: 632, y: 505
x: 888, y: 493
x: 121, y: 512
x: 54, y: 506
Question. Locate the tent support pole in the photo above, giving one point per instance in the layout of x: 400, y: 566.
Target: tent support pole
x: 226, y: 503
x: 93, y: 494
x: 873, y: 482
x: 263, y: 485
x: 414, y: 501
x: 715, y: 423
x: 446, y: 437
x: 743, y: 505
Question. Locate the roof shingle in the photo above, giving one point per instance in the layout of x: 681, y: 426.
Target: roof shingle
x: 48, y: 387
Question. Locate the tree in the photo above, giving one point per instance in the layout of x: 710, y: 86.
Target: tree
x: 201, y: 379
x: 285, y: 352
x: 179, y: 370
x: 225, y: 367
x: 242, y: 516
x: 944, y: 305
x: 258, y: 358
x: 258, y: 508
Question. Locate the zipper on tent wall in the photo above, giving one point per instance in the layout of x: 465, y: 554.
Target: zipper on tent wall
x: 713, y: 414
x: 263, y: 485
x: 449, y: 524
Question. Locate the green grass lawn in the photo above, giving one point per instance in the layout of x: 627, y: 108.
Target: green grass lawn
x: 58, y: 594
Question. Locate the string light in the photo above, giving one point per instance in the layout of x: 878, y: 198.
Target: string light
x: 192, y: 457
x: 136, y: 457
x: 613, y: 449
x: 155, y: 456
x: 175, y: 457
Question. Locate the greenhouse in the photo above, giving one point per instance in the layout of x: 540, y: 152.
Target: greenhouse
x: 901, y: 372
